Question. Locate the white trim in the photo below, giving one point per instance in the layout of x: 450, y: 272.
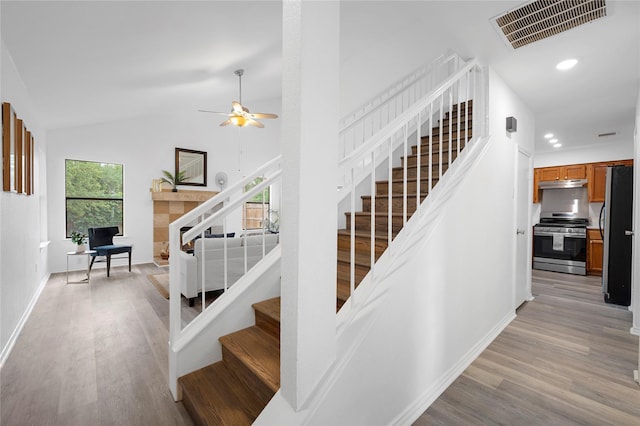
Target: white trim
x: 420, y: 405
x: 6, y: 351
x: 635, y: 331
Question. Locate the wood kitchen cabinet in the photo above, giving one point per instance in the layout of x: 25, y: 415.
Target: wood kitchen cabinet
x: 595, y: 173
x: 547, y: 174
x: 595, y: 250
x: 574, y: 171
x: 597, y: 178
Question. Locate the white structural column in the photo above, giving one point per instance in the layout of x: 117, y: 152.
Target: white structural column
x: 310, y: 101
x: 635, y: 271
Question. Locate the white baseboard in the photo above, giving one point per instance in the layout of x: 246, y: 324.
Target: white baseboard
x: 23, y: 320
x: 420, y: 405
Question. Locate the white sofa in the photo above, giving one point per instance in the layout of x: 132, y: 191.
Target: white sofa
x: 191, y: 264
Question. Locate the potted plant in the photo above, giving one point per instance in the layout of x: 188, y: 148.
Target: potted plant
x: 173, y: 180
x: 78, y: 239
x: 272, y: 222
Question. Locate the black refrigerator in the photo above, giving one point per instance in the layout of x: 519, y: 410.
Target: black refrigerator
x: 617, y: 235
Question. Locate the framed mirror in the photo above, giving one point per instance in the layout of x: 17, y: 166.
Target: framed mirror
x: 193, y: 165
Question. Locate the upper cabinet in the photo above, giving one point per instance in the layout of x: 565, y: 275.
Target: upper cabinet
x: 595, y: 173
x: 597, y: 178
x: 575, y: 171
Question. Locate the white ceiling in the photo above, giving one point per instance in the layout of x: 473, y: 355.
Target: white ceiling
x: 87, y: 62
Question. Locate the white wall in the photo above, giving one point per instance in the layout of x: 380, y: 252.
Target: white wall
x: 23, y: 266
x: 431, y: 317
x: 590, y: 154
x: 145, y: 146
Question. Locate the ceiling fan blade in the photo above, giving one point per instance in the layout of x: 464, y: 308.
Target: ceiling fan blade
x: 263, y: 115
x: 214, y: 112
x: 254, y: 123
x: 225, y: 123
x: 237, y: 107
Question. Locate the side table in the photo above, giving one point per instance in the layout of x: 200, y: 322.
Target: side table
x: 87, y: 253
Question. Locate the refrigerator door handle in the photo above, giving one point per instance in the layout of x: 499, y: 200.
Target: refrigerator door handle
x: 628, y: 233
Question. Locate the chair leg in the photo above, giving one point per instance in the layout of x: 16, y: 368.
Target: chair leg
x: 93, y: 259
x: 129, y: 260
x: 108, y: 264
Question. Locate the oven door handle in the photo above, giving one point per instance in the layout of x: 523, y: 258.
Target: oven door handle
x: 551, y: 234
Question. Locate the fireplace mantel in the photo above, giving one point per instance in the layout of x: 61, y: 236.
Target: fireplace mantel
x: 183, y: 195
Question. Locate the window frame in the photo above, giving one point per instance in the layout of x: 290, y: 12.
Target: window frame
x: 77, y: 198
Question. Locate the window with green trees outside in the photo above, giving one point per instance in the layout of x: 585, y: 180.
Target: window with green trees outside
x: 94, y: 195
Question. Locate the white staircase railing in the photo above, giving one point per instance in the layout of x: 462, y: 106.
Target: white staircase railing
x: 372, y: 139
x: 376, y: 113
x: 225, y: 215
x: 463, y: 95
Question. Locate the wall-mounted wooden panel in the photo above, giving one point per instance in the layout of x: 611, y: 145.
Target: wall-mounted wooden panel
x: 28, y: 171
x: 18, y: 159
x: 7, y: 144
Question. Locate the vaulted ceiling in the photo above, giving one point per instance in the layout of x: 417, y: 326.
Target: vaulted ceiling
x: 87, y: 62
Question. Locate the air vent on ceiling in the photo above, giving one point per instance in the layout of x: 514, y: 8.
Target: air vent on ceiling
x: 604, y: 135
x: 541, y: 19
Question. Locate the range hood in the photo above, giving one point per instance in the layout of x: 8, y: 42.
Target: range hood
x: 558, y: 184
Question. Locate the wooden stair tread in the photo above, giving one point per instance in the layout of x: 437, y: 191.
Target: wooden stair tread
x: 214, y: 395
x: 360, y: 234
x: 424, y: 179
x: 378, y: 214
x: 269, y: 308
x: 362, y: 259
x: 396, y: 196
x: 258, y: 351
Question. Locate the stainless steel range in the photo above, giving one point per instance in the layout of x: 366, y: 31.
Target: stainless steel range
x: 560, y: 245
x: 560, y: 239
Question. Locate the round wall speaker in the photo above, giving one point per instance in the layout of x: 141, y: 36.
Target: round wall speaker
x: 221, y: 179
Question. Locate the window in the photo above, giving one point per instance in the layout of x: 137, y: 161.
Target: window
x: 257, y: 208
x: 93, y: 194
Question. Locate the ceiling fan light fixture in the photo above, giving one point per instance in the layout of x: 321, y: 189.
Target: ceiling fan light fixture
x: 238, y: 120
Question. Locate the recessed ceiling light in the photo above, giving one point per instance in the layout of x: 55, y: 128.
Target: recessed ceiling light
x: 554, y: 140
x: 548, y: 136
x: 566, y: 64
x: 558, y: 145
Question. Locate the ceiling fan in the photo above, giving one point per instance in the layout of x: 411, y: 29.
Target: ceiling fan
x: 240, y: 115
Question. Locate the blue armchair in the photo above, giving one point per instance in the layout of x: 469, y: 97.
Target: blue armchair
x: 101, y: 240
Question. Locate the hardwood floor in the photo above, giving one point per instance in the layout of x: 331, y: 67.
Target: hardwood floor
x: 567, y: 359
x: 93, y: 355
x: 97, y: 355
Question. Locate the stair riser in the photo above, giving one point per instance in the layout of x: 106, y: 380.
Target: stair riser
x: 413, y: 171
x: 454, y: 122
x: 464, y: 109
x: 382, y: 204
x: 344, y: 277
x: 435, y: 139
x: 412, y: 159
x: 435, y: 133
x: 268, y: 324
x: 191, y: 408
x: 363, y: 223
x: 362, y: 244
x: 435, y: 152
x: 262, y: 391
x: 435, y: 144
x: 397, y: 188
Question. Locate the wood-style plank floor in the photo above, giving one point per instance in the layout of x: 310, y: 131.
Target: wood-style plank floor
x: 93, y: 355
x: 567, y: 359
x: 97, y: 355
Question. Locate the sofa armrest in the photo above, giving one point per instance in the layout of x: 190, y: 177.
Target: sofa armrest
x: 188, y: 278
